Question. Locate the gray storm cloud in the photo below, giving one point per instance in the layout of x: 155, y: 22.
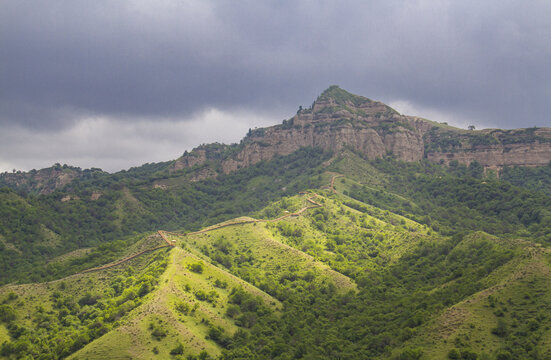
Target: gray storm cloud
x: 131, y: 62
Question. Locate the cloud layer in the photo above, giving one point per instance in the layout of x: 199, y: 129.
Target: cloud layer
x: 131, y: 63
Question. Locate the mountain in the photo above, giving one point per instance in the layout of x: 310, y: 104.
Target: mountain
x: 339, y: 234
x: 339, y: 120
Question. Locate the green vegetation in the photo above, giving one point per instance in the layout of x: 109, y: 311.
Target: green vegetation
x: 54, y: 320
x: 456, y: 199
x: 413, y: 279
x: 342, y: 96
x: 401, y: 261
x: 38, y: 228
x: 536, y: 179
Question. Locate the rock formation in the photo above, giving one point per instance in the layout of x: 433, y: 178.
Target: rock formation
x: 46, y: 180
x: 338, y: 120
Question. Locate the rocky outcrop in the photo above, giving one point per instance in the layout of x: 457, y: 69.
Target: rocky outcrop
x: 339, y: 120
x: 197, y: 156
x: 44, y: 181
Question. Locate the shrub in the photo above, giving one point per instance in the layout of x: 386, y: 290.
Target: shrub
x: 454, y: 354
x: 232, y: 311
x: 7, y: 313
x: 410, y: 354
x: 501, y: 329
x: 196, y: 267
x: 504, y: 355
x: 201, y: 295
x: 220, y: 284
x: 468, y: 354
x: 157, y: 331
x: 178, y: 350
x: 183, y: 308
x: 216, y: 333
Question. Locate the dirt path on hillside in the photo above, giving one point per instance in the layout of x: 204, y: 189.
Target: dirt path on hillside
x: 107, y: 266
x: 333, y: 182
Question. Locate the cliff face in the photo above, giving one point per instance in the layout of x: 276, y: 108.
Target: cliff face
x: 42, y: 181
x: 496, y: 157
x: 492, y: 148
x: 406, y: 144
x: 338, y: 120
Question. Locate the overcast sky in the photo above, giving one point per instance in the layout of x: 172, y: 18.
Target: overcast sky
x: 115, y: 84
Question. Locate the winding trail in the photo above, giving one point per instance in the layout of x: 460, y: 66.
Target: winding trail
x: 333, y: 182
x: 110, y: 265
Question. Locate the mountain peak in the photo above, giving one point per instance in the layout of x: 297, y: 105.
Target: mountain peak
x: 337, y: 103
x: 341, y: 96
x: 335, y: 99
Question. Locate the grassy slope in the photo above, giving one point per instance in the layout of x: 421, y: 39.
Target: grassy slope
x: 269, y: 256
x: 4, y: 336
x: 388, y: 234
x: 517, y: 292
x: 520, y: 288
x: 78, y: 283
x: 134, y: 339
x: 39, y: 298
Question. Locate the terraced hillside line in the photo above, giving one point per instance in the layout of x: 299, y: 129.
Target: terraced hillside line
x: 216, y: 227
x: 169, y: 243
x: 107, y: 266
x: 163, y: 235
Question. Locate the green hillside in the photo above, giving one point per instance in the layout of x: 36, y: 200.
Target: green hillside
x: 110, y: 207
x: 309, y: 256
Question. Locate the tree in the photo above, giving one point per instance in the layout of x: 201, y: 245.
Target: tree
x: 501, y: 329
x: 178, y: 350
x: 471, y: 127
x: 476, y: 170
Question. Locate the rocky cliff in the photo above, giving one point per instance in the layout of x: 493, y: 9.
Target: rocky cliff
x: 338, y: 120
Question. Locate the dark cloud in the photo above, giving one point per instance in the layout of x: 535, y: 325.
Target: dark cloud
x: 478, y: 62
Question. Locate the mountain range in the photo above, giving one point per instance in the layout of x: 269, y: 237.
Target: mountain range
x: 348, y: 231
